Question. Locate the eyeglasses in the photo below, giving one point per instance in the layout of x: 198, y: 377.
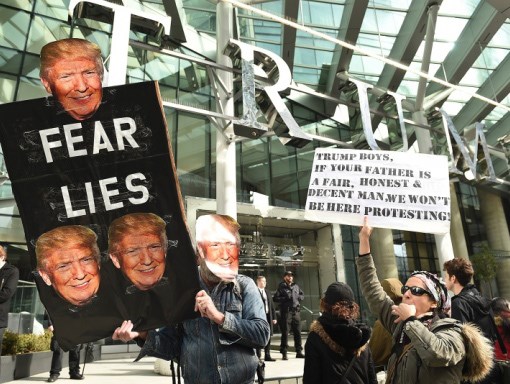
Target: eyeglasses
x: 415, y: 291
x: 135, y: 252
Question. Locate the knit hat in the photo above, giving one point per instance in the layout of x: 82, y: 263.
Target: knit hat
x: 338, y: 292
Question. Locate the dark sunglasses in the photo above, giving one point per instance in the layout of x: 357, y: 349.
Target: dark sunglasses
x: 415, y: 291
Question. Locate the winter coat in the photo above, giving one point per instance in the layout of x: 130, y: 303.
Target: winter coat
x: 469, y: 306
x: 380, y: 344
x: 442, y: 352
x: 289, y: 296
x: 498, y: 352
x: 9, y: 276
x: 331, y: 345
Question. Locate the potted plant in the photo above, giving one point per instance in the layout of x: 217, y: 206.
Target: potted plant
x: 24, y: 355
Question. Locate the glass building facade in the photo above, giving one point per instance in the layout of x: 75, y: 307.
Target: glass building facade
x: 185, y: 72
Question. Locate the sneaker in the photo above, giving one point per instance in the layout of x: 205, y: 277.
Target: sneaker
x: 300, y: 355
x: 76, y: 376
x: 53, y: 377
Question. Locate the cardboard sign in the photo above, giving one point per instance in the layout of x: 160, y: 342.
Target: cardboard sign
x: 72, y: 175
x: 408, y: 191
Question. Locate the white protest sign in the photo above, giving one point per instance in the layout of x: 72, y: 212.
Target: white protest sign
x: 408, y: 191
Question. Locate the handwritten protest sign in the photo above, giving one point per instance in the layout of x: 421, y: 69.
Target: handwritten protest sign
x: 408, y: 191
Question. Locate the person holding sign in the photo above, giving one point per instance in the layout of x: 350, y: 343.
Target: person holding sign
x: 68, y: 259
x: 218, y: 347
x: 72, y: 71
x: 137, y: 244
x: 429, y: 347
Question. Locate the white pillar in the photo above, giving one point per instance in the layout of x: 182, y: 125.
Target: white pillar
x: 444, y: 245
x: 456, y: 228
x: 330, y: 255
x: 117, y: 66
x: 225, y: 146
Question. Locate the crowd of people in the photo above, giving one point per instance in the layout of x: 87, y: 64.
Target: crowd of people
x: 431, y: 337
x: 423, y: 333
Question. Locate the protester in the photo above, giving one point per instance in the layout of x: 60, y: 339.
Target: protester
x: 9, y: 276
x: 56, y: 359
x: 337, y: 346
x: 137, y: 244
x: 72, y: 71
x: 428, y: 346
x: 501, y: 308
x: 68, y: 259
x: 469, y: 306
x: 218, y: 347
x: 381, y: 340
x: 289, y: 296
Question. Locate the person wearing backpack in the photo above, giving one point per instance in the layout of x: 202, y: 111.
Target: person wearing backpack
x: 469, y: 306
x: 428, y: 346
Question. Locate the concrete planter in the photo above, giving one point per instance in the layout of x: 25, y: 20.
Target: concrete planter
x: 16, y: 367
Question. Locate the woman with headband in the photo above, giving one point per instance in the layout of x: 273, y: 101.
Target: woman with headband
x: 428, y: 346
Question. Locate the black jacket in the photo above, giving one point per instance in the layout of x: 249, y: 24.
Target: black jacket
x: 469, y: 306
x: 9, y: 276
x: 289, y: 296
x: 330, y: 346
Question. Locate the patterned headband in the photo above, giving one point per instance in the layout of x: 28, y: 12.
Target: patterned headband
x: 436, y: 287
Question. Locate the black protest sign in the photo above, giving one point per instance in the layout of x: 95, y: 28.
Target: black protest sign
x: 71, y: 174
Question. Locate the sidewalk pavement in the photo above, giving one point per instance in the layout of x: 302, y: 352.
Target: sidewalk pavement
x: 124, y: 370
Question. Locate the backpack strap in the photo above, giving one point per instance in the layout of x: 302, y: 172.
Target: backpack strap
x: 498, y: 335
x: 344, y: 377
x: 391, y: 369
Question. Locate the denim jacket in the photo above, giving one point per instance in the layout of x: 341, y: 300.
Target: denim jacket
x: 215, y: 354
